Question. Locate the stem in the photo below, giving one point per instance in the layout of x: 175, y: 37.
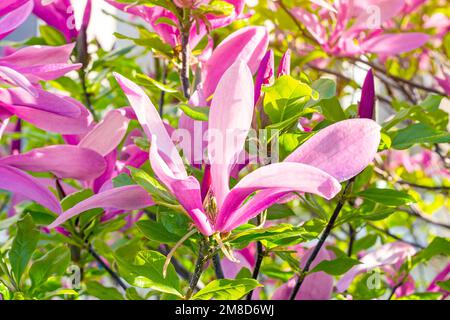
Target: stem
x: 352, y: 239
x: 111, y: 272
x: 259, y: 259
x: 163, y: 93
x: 217, y: 266
x: 184, y: 72
x: 398, y: 285
x: 87, y: 96
x: 322, y: 239
x: 393, y: 236
x: 179, y: 268
x: 198, y: 269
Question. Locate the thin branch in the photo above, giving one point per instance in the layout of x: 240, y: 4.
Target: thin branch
x: 259, y: 260
x: 111, y: 272
x: 395, y: 237
x: 352, y: 236
x: 217, y: 266
x: 200, y: 263
x: 322, y: 239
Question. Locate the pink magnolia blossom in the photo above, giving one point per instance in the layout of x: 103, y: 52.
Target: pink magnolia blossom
x: 389, y: 258
x: 444, y: 275
x: 170, y: 33
x: 366, y: 34
x: 231, y: 113
x: 12, y: 14
x: 316, y: 286
x: 60, y: 14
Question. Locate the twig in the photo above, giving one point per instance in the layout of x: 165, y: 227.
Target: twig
x: 322, y: 239
x: 259, y: 260
x: 393, y: 236
x: 217, y: 266
x: 352, y: 235
x: 111, y: 272
x: 201, y: 260
x: 184, y: 72
x: 163, y: 93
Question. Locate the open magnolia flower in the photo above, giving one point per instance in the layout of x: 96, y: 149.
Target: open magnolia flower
x: 334, y: 154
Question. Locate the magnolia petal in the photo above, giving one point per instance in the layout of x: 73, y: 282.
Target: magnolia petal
x: 13, y: 19
x: 389, y: 44
x: 185, y: 189
x: 247, y: 44
x: 40, y: 55
x: 106, y: 135
x: 316, y: 286
x: 275, y: 177
x: 342, y: 150
x: 265, y: 74
x: 15, y: 78
x: 124, y: 198
x: 64, y: 161
x: 152, y: 123
x: 17, y: 181
x: 229, y: 122
x: 285, y: 64
x: 390, y: 254
x: 367, y: 104
x: 44, y: 101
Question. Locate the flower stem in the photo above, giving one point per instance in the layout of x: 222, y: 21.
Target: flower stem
x: 217, y: 266
x: 111, y: 272
x: 201, y: 260
x: 322, y: 240
x: 259, y: 259
x: 184, y: 72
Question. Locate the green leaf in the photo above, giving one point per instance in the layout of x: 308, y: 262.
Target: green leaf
x: 365, y: 242
x: 23, y: 246
x: 418, y: 133
x: 431, y: 102
x: 226, y: 289
x: 103, y: 293
x: 156, y: 231
x: 332, y: 110
x: 52, y: 36
x: 122, y: 180
x: 196, y: 113
x: 156, y: 189
x: 337, y: 266
x: 388, y: 197
x: 54, y: 262
x: 73, y: 199
x: 217, y: 8
x: 285, y: 98
x: 147, y: 272
x: 444, y: 285
x: 439, y: 246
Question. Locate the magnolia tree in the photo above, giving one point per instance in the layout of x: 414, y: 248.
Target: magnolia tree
x: 264, y: 150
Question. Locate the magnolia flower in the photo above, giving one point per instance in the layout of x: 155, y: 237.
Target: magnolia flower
x: 388, y: 257
x: 12, y: 14
x: 26, y: 67
x: 316, y: 167
x: 316, y: 286
x: 170, y: 33
x: 365, y: 34
x: 60, y: 14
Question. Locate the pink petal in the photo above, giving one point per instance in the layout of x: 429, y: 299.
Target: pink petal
x: 40, y: 55
x: 124, y: 198
x: 64, y: 161
x: 17, y: 181
x: 391, y: 254
x: 152, y: 123
x: 367, y: 104
x: 265, y: 74
x: 285, y: 64
x: 316, y: 286
x: 185, y: 189
x: 106, y: 135
x: 13, y: 19
x: 389, y: 44
x: 312, y: 23
x: 229, y: 122
x: 247, y: 44
x: 275, y: 177
x: 342, y: 150
x: 15, y: 78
